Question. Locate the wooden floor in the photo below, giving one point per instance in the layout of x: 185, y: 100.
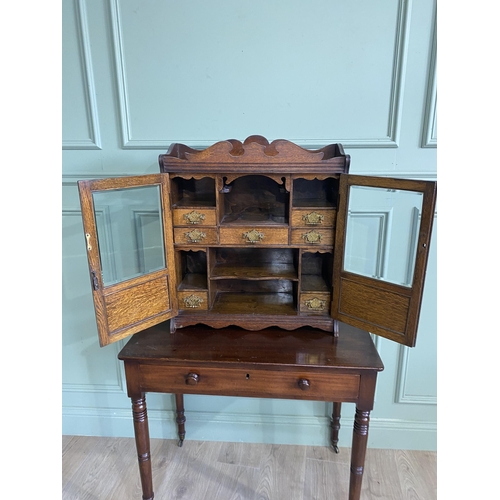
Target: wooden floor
x: 106, y: 469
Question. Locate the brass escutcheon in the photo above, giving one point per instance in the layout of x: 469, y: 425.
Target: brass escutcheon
x: 316, y: 304
x: 195, y: 236
x: 253, y: 236
x: 312, y: 237
x: 192, y: 301
x: 194, y: 217
x: 313, y: 218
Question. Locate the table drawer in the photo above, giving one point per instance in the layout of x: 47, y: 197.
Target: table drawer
x: 296, y: 384
x: 191, y: 217
x: 313, y: 218
x: 195, y: 236
x: 254, y: 235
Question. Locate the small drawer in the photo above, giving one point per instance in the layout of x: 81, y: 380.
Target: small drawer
x: 195, y: 236
x: 315, y: 303
x: 194, y: 217
x: 312, y: 237
x: 296, y: 384
x: 193, y: 301
x: 313, y: 218
x: 253, y: 235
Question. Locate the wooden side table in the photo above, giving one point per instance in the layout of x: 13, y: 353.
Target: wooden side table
x: 302, y: 364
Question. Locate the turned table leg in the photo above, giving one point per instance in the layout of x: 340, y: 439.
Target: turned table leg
x: 181, y: 419
x: 141, y: 430
x: 358, y: 453
x: 335, y: 426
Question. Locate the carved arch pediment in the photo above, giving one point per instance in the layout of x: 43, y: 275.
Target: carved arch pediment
x: 255, y: 149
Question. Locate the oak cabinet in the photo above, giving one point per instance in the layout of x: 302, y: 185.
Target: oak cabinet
x: 254, y: 235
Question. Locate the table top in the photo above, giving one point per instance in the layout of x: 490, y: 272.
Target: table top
x: 272, y: 347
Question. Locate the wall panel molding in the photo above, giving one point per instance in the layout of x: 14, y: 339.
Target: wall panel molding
x: 416, y: 217
x: 141, y: 219
x: 402, y: 394
x: 126, y: 133
x: 429, y: 130
x: 223, y: 426
x: 384, y: 223
x: 141, y: 75
x: 399, y: 70
x: 94, y: 142
x: 391, y: 140
x: 120, y: 386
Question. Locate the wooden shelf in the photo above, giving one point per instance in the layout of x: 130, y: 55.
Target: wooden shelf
x: 264, y: 271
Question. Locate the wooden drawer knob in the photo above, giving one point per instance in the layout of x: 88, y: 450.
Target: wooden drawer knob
x: 192, y: 378
x: 304, y: 384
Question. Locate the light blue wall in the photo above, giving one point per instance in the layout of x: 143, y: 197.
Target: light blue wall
x: 140, y: 74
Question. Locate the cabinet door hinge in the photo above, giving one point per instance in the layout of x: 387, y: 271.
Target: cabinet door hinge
x: 95, y: 281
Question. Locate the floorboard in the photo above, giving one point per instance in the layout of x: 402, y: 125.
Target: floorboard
x: 96, y: 468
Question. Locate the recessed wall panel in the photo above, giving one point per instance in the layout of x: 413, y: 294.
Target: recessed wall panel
x: 80, y: 127
x: 85, y: 366
x: 314, y: 71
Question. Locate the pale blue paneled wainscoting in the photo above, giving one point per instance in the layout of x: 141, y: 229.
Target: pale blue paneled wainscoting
x: 141, y: 74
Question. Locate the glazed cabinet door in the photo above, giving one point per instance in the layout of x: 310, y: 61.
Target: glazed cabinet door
x: 381, y: 248
x: 128, y: 236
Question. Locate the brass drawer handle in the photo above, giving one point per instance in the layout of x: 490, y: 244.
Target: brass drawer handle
x: 312, y: 237
x: 304, y: 384
x: 315, y: 304
x: 253, y: 236
x: 192, y: 301
x: 194, y: 217
x: 313, y: 218
x: 192, y: 378
x: 195, y: 236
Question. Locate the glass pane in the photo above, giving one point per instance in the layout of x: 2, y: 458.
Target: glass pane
x: 382, y: 233
x: 130, y: 232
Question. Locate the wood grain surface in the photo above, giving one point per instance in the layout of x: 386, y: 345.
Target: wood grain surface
x: 95, y: 468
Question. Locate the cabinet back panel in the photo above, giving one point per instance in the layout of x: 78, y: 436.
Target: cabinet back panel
x: 256, y: 198
x: 255, y: 286
x: 315, y: 193
x: 255, y: 256
x: 193, y: 192
x: 194, y: 262
x: 273, y: 303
